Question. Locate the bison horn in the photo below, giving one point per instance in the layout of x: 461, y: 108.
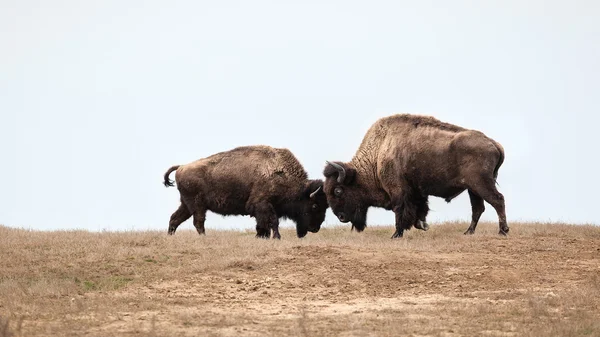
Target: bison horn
x: 341, y: 171
x: 313, y: 194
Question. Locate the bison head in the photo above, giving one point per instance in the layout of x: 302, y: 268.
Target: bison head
x: 309, y: 212
x: 344, y: 196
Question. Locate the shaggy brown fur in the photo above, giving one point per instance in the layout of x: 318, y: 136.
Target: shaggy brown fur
x: 403, y: 159
x: 263, y: 182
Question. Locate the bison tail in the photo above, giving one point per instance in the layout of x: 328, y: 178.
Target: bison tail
x: 500, y: 160
x: 168, y: 182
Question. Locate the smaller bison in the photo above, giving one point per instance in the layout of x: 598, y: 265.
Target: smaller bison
x: 263, y: 182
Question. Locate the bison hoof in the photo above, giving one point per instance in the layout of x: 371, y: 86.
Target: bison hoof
x: 277, y: 236
x: 422, y: 225
x: 503, y: 231
x: 470, y: 232
x: 397, y: 235
x: 263, y: 235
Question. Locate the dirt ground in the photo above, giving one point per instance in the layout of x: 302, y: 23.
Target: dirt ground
x: 542, y: 280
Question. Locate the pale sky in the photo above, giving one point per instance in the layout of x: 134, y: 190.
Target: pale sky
x: 99, y: 98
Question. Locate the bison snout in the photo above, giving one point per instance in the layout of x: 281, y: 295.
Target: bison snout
x: 359, y: 227
x: 314, y: 229
x: 342, y: 217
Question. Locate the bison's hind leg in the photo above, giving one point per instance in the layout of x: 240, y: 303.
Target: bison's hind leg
x: 486, y: 189
x: 199, y: 219
x: 180, y: 215
x: 477, y: 208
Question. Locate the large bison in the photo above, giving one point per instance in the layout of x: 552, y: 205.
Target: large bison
x: 403, y: 159
x: 263, y: 182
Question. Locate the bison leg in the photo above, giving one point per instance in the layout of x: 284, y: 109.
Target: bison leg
x: 275, y: 226
x: 262, y: 233
x: 477, y: 208
x: 199, y: 219
x: 422, y: 211
x: 399, y: 230
x: 180, y: 215
x: 487, y: 190
x: 405, y: 211
x: 266, y: 218
x: 406, y: 216
x: 398, y: 233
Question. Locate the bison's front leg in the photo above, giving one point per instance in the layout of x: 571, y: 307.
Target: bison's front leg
x: 406, y: 205
x: 262, y: 233
x: 406, y: 216
x: 266, y: 219
x: 422, y: 225
x: 398, y: 210
x: 398, y: 233
x: 422, y: 211
x: 275, y: 226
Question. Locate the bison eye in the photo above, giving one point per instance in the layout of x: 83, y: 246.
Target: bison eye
x: 314, y: 207
x: 338, y: 191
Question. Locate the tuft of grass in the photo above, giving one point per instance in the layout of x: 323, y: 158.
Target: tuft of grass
x: 106, y: 283
x: 89, y: 285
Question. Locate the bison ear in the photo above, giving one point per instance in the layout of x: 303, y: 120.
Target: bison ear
x: 344, y: 173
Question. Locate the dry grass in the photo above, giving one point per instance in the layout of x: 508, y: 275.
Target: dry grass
x: 543, y: 280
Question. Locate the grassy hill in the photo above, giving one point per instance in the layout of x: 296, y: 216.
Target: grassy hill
x: 542, y: 280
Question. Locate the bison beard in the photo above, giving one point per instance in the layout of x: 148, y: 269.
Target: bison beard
x: 359, y: 219
x: 263, y: 182
x: 405, y: 158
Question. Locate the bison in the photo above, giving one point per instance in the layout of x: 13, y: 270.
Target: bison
x: 263, y: 182
x: 403, y: 159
